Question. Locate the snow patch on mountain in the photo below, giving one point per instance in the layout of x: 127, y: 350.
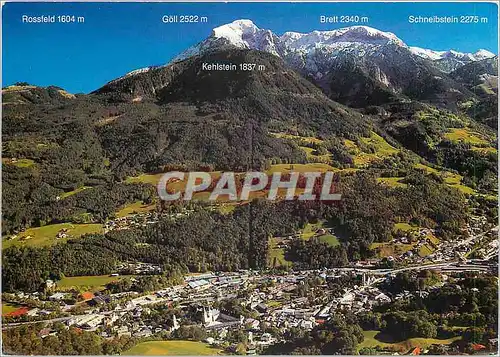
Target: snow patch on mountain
x: 427, y: 54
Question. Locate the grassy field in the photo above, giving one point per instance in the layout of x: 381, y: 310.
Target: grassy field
x: 19, y: 162
x: 425, y: 250
x: 152, y: 179
x: 8, y: 307
x: 371, y: 340
x: 179, y: 186
x: 301, y: 141
x: 136, y: 207
x: 405, y: 227
x: 311, y: 167
x: 310, y: 230
x: 386, y: 249
x: 450, y: 178
x: 390, y: 249
x: 465, y: 135
x: 171, y: 348
x: 46, y: 235
x: 380, y: 146
x: 392, y: 181
x: 308, y: 139
x: 70, y: 193
x: 276, y: 256
x: 330, y: 239
x: 464, y: 189
x: 226, y: 208
x: 313, y: 156
x: 485, y: 150
x: 90, y: 282
x: 283, y: 168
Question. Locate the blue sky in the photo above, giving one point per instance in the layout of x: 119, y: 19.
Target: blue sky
x: 119, y: 37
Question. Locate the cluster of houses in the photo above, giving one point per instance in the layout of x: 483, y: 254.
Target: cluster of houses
x: 140, y: 220
x: 271, y: 301
x: 478, y: 234
x: 138, y: 268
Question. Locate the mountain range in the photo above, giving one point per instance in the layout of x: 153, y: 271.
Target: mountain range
x: 356, y: 65
x: 312, y: 51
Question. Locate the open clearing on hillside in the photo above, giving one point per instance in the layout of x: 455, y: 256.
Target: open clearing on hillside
x: 307, y: 139
x: 304, y: 143
x: 70, y: 193
x: 310, y: 230
x: 276, y: 255
x: 450, y: 178
x: 386, y: 249
x: 465, y: 135
x: 329, y: 239
x: 311, y: 167
x: 485, y: 150
x: 312, y: 155
x: 18, y: 162
x: 90, y: 282
x: 171, y: 348
x: 380, y: 147
x: 372, y: 340
x: 133, y: 208
x: 46, y: 235
x: 152, y: 179
x: 405, y: 227
x: 392, y: 181
x: 392, y: 248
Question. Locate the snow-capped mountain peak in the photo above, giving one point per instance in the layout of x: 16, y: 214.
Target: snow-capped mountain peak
x: 450, y: 60
x: 437, y: 55
x: 240, y: 34
x: 483, y: 54
x: 236, y: 32
x: 347, y: 35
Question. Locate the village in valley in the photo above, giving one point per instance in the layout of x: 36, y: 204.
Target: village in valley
x: 262, y: 306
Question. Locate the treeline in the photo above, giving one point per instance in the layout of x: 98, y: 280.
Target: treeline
x: 25, y: 340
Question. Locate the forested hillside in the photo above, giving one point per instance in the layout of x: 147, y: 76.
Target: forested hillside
x: 66, y: 158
